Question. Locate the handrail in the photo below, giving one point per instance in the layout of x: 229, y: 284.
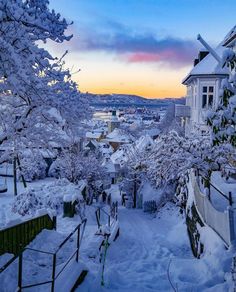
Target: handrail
x: 228, y: 198
x: 54, y: 256
x: 4, y: 267
x: 37, y: 250
x: 109, y: 215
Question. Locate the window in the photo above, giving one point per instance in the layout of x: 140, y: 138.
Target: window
x: 207, y: 96
x: 204, y: 100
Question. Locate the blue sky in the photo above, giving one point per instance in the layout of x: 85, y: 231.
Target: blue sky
x: 143, y: 47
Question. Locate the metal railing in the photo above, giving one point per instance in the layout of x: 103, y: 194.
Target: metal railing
x: 111, y: 216
x: 228, y: 198
x: 54, y: 275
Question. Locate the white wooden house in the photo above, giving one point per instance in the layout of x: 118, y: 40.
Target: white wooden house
x: 203, y: 85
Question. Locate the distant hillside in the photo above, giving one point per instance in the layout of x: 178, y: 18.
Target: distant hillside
x: 124, y: 99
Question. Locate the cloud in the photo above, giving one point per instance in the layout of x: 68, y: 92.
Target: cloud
x: 134, y: 47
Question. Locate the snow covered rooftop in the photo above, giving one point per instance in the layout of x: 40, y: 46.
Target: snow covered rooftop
x: 109, y: 166
x: 230, y: 38
x: 208, y: 66
x: 125, y: 152
x: 118, y: 135
x: 144, y: 142
x: 94, y: 142
x: 93, y: 135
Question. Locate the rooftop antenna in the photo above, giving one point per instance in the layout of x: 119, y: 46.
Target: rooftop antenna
x: 209, y: 48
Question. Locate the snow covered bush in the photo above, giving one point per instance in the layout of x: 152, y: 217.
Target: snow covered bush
x: 27, y: 203
x: 223, y: 119
x: 48, y: 196
x: 33, y: 166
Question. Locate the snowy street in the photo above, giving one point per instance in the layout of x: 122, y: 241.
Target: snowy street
x: 138, y: 260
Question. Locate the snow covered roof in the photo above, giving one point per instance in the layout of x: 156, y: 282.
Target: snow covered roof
x: 119, y: 157
x: 109, y: 166
x: 94, y: 142
x: 230, y: 38
x: 208, y: 66
x: 105, y: 148
x: 144, y: 142
x: 93, y: 135
x: 119, y: 135
x: 124, y: 153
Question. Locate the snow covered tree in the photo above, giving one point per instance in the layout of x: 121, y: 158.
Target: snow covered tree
x: 173, y: 155
x: 75, y: 165
x: 32, y: 82
x: 223, y: 120
x: 32, y: 166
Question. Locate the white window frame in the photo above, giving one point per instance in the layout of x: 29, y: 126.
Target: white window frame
x: 207, y: 93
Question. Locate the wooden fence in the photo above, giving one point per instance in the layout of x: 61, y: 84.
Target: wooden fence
x: 13, y: 239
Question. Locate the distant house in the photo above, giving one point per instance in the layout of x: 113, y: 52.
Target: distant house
x: 94, y: 135
x: 118, y: 137
x: 112, y: 170
x: 92, y: 145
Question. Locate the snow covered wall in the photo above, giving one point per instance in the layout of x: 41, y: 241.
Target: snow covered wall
x: 221, y: 222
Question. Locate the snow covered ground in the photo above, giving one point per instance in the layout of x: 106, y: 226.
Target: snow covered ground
x: 139, y: 259
x: 147, y: 245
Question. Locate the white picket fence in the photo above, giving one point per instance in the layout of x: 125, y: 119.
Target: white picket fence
x: 221, y: 222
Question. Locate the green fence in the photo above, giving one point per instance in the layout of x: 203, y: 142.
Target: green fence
x: 13, y: 239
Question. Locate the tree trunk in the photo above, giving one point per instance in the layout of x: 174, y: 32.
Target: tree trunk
x: 135, y: 191
x: 14, y: 176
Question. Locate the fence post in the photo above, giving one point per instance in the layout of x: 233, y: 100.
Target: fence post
x: 231, y: 225
x: 78, y: 244
x: 109, y: 220
x: 54, y: 220
x: 230, y: 199
x: 20, y: 272
x: 116, y: 210
x: 53, y: 271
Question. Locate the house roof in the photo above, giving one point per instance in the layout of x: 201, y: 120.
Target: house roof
x: 94, y: 142
x: 208, y: 66
x: 93, y: 135
x: 230, y: 37
x: 109, y: 166
x: 118, y: 135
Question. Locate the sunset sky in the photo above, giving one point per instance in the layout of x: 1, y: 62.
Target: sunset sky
x: 143, y: 47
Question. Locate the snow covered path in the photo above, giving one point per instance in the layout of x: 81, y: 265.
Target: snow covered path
x: 138, y: 260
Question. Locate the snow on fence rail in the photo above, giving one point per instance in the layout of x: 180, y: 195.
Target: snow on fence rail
x: 56, y: 269
x: 14, y: 238
x: 221, y: 222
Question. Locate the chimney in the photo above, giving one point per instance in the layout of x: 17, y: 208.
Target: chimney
x: 196, y: 61
x: 202, y: 55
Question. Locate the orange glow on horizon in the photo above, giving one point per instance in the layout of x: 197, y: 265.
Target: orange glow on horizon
x: 178, y: 93
x: 106, y: 74
x: 175, y: 92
